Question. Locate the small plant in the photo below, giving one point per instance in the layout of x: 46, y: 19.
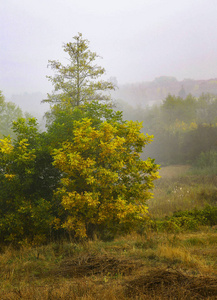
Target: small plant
x: 189, y: 219
x: 210, y: 213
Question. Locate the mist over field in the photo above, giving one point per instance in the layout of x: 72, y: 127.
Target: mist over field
x: 108, y: 149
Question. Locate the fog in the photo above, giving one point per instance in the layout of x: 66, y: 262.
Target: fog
x: 87, y: 172
x: 138, y: 40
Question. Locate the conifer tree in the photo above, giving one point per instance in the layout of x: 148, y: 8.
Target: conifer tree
x: 78, y: 82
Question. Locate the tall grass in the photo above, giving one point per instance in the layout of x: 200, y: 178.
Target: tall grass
x: 178, y: 189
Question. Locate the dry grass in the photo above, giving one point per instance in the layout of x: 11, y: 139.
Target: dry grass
x: 174, y: 171
x: 141, y: 267
x: 154, y: 284
x: 88, y: 265
x: 150, y: 266
x: 182, y: 256
x: 178, y: 190
x: 172, y: 284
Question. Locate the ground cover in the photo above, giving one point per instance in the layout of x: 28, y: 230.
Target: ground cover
x: 157, y: 263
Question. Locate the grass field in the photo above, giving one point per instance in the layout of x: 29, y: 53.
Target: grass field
x: 157, y: 264
x: 178, y: 189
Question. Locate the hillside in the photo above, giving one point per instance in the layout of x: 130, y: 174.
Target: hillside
x: 148, y: 93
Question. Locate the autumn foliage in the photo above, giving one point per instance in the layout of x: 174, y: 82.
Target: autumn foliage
x: 104, y: 182
x: 92, y: 180
x: 84, y: 175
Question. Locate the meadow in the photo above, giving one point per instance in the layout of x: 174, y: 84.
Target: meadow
x: 173, y: 257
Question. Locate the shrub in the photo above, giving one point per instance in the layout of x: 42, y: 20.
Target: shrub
x: 189, y: 220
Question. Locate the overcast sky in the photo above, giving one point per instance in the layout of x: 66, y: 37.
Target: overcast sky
x: 139, y: 40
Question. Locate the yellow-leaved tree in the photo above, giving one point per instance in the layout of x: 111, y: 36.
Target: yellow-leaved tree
x: 104, y: 183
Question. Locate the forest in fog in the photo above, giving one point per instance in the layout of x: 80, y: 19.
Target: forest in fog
x: 184, y: 128
x: 183, y: 125
x: 90, y: 167
x: 108, y: 159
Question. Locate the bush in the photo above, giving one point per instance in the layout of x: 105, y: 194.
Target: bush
x: 189, y: 220
x: 105, y: 184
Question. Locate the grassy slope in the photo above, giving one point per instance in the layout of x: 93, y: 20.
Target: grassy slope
x: 149, y: 266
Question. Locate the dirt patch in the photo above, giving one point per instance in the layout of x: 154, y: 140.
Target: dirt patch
x: 171, y: 284
x: 92, y: 265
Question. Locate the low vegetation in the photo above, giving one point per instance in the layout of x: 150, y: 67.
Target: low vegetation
x: 172, y: 257
x: 150, y: 266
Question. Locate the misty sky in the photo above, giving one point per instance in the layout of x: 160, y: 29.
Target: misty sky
x: 139, y: 40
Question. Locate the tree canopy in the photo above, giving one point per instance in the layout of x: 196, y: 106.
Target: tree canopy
x: 104, y: 183
x: 183, y: 128
x: 83, y: 175
x: 9, y: 112
x: 78, y: 82
x: 27, y: 180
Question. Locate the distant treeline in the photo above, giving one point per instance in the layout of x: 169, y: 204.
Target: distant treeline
x: 146, y: 93
x: 183, y: 128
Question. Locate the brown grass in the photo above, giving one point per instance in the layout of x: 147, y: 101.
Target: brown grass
x: 155, y: 284
x: 87, y: 265
x: 172, y: 284
x: 179, y: 190
x: 173, y: 171
x: 151, y: 266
